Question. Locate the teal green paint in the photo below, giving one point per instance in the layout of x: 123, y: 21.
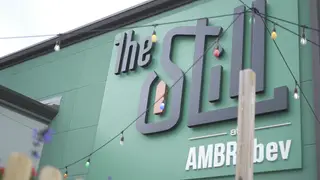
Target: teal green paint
x: 307, y: 116
x: 78, y: 74
x: 97, y: 104
x: 89, y: 96
x: 305, y: 51
x: 80, y: 143
x: 65, y: 115
x: 52, y: 153
x: 164, y: 155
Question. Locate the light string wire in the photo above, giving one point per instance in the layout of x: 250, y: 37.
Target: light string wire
x: 121, y: 28
x: 156, y: 24
x: 289, y: 22
x: 282, y: 19
x: 291, y: 73
x: 184, y: 73
x: 263, y: 18
x: 280, y: 52
x: 261, y: 15
x: 281, y: 26
x: 165, y: 23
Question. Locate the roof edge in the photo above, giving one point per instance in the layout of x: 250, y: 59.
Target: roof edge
x: 110, y: 23
x: 27, y: 106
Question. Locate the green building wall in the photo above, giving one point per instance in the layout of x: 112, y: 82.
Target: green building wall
x: 78, y: 74
x: 97, y: 104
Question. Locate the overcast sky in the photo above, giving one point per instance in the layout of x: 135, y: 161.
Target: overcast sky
x: 34, y: 17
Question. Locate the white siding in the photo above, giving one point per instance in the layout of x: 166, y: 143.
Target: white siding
x: 16, y: 134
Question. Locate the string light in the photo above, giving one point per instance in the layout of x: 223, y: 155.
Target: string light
x: 164, y: 23
x: 295, y: 92
x: 303, y: 39
x: 274, y: 33
x: 66, y: 173
x: 57, y: 46
x: 162, y: 106
x: 88, y: 163
x: 127, y: 27
x: 154, y: 39
x: 312, y: 42
x: 296, y: 95
x: 216, y: 51
x: 122, y: 136
x: 273, y: 36
x: 122, y: 139
x: 154, y: 34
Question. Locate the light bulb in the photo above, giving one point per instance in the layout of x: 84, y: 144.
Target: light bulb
x: 88, y: 163
x: 303, y: 39
x: 57, y: 47
x: 162, y: 105
x: 296, y: 94
x: 65, y: 174
x: 154, y: 37
x: 216, y: 52
x: 274, y: 34
x: 122, y: 139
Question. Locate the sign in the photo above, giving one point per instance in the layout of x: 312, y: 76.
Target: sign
x: 131, y: 53
x: 191, y: 118
x: 220, y: 154
x: 196, y: 118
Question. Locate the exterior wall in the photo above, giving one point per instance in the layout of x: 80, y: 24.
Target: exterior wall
x: 16, y: 134
x: 78, y: 74
x: 97, y: 104
x: 174, y: 145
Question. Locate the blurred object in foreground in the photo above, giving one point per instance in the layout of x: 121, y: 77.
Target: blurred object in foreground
x: 50, y: 173
x: 18, y: 167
